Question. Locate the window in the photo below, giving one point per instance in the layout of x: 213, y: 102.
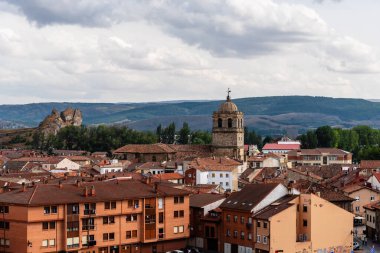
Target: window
x: 221, y: 175
x: 229, y: 123
x: 265, y: 239
x: 48, y: 225
x: 52, y: 242
x: 249, y: 236
x: 242, y: 235
x: 47, y: 210
x: 180, y: 199
x: 178, y: 229
x: 53, y: 209
x: 228, y: 233
x: 220, y: 122
x: 161, y: 233
x: 258, y: 224
x: 88, y: 224
x: 357, y: 208
x: 367, y: 217
x: 89, y: 208
x: 235, y: 234
x: 161, y: 217
x: 4, y: 209
x: 265, y: 224
x: 305, y: 223
x: 372, y: 198
x: 4, y: 242
x: 228, y: 218
x: 258, y: 238
x: 235, y: 218
x: 87, y: 239
x: 108, y: 236
x: 109, y: 220
x: 250, y: 220
x: 160, y: 203
x: 227, y: 184
x: 4, y: 224
x: 45, y: 243
x: 72, y: 209
x: 178, y: 214
x: 357, y: 198
x: 213, y: 175
x: 131, y: 234
x: 242, y: 219
x: 110, y: 205
x: 227, y: 175
x: 131, y: 217
x: 304, y: 208
x: 73, y: 226
x: 73, y: 242
x: 133, y: 203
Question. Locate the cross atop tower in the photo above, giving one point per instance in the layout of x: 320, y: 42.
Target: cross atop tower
x: 228, y: 94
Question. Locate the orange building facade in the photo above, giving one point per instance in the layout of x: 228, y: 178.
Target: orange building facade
x: 101, y: 217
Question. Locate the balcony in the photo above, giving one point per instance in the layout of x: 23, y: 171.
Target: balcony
x: 88, y: 227
x: 72, y: 246
x: 90, y: 244
x: 89, y: 211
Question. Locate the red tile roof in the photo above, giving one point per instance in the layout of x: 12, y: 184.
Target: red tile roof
x: 168, y: 176
x: 214, y: 164
x: 158, y: 148
x: 45, y: 194
x: 370, y: 164
x: 275, y: 146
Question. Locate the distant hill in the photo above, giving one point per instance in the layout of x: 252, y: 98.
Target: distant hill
x: 268, y: 115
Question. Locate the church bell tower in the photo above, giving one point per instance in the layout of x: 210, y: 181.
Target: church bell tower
x: 228, y: 130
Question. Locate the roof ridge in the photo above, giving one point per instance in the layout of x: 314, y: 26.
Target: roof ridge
x: 31, y: 197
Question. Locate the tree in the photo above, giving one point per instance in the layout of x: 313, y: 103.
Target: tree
x: 184, y: 134
x: 325, y: 136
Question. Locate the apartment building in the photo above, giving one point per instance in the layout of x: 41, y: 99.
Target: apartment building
x: 204, y: 219
x: 267, y: 219
x: 116, y: 216
x: 319, y: 156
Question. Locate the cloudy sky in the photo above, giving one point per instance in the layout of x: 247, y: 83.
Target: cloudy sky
x: 155, y: 50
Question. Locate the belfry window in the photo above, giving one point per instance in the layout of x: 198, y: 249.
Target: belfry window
x: 229, y: 123
x: 220, y: 122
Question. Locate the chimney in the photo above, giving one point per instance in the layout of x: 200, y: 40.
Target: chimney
x: 85, y: 191
x: 155, y: 187
x: 92, y: 193
x: 23, y: 187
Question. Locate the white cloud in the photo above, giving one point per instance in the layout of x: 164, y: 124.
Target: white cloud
x: 135, y: 50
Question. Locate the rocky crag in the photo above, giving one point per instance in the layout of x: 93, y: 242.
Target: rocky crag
x: 57, y: 120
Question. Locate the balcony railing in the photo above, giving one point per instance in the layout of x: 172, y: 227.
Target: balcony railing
x: 89, y: 211
x: 88, y: 227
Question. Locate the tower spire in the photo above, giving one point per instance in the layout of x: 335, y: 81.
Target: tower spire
x: 228, y: 94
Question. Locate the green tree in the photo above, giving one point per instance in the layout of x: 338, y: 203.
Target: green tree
x: 184, y: 134
x: 325, y: 136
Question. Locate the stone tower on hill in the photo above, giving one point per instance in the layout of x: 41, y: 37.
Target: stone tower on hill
x: 228, y: 130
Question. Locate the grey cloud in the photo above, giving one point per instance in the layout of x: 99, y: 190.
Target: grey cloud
x: 220, y: 27
x: 229, y: 29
